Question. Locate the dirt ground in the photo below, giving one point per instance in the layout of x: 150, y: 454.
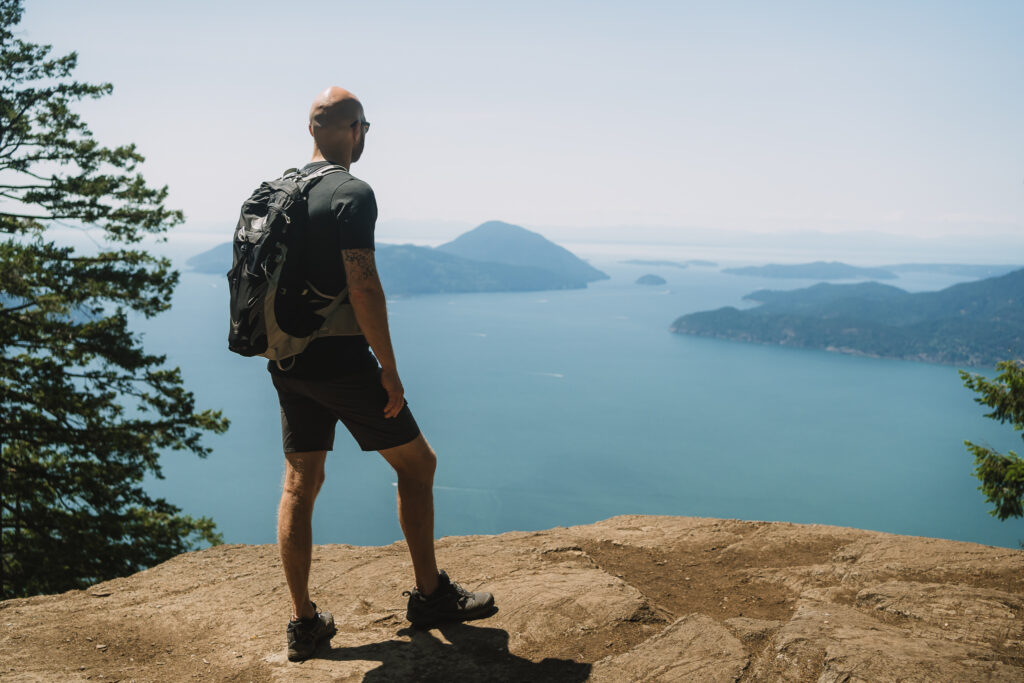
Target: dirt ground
x: 630, y: 598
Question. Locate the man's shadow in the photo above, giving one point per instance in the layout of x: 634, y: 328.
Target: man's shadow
x: 475, y: 653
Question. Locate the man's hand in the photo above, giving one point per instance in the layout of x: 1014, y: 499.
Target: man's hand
x: 396, y: 393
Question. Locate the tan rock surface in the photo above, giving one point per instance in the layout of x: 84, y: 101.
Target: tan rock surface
x: 629, y: 599
x: 695, y: 648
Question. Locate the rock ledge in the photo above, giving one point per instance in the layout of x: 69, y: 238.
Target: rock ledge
x: 632, y: 598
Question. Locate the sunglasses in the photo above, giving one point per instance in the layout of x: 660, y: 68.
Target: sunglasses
x: 365, y: 124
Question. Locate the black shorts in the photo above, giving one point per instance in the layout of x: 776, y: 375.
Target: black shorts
x: 310, y: 408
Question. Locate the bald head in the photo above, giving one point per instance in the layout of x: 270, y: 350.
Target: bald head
x: 334, y: 107
x: 331, y: 123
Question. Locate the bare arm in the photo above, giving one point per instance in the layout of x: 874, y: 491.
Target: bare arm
x: 367, y: 298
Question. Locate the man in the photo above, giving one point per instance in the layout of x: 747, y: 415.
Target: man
x: 337, y: 378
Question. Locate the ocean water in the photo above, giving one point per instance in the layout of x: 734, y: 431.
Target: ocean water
x: 567, y: 407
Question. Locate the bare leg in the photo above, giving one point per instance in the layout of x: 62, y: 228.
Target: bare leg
x: 414, y: 463
x: 303, y: 477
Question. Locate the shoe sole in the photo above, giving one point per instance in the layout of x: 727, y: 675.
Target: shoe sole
x: 483, y: 613
x: 296, y: 657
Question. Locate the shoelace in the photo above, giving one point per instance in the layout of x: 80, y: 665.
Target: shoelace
x: 459, y: 590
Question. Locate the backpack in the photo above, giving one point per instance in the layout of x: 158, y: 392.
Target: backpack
x: 275, y: 312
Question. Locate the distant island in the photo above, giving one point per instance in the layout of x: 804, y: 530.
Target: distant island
x: 498, y: 242
x: 973, y: 323
x: 408, y: 269
x: 493, y: 257
x: 952, y: 269
x: 819, y: 270
x: 670, y: 264
x: 647, y: 262
x: 650, y: 279
x: 834, y: 270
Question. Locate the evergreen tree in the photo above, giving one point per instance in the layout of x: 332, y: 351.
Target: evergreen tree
x: 1001, y: 475
x: 86, y: 411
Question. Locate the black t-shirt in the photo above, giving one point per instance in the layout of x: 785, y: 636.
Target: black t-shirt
x: 342, y: 215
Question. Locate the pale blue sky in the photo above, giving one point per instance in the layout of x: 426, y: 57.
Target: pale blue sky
x: 898, y: 117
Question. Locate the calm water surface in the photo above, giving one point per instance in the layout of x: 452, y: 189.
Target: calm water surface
x: 559, y: 408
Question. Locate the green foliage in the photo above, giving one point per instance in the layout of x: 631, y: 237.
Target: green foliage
x: 1001, y: 475
x: 86, y: 410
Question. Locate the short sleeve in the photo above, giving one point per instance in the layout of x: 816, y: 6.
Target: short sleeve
x: 355, y: 208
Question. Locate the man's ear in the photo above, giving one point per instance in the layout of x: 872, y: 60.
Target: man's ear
x: 311, y: 129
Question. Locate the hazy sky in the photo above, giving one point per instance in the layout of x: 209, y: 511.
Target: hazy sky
x: 899, y: 117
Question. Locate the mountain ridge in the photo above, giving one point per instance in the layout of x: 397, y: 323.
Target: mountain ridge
x: 501, y: 242
x: 505, y: 258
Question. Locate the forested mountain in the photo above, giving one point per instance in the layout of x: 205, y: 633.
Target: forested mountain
x: 972, y: 323
x: 499, y: 242
x: 494, y: 257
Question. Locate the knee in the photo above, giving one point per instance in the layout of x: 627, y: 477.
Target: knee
x: 430, y: 463
x: 420, y: 466
x: 303, y: 488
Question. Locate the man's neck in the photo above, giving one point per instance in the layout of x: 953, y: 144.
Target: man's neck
x: 340, y: 159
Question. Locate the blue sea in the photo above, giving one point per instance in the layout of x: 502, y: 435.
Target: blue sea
x: 568, y: 407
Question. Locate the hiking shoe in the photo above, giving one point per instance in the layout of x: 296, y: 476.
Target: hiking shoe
x: 450, y: 602
x: 306, y: 635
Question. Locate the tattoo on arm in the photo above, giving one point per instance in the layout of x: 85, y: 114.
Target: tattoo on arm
x: 360, y: 265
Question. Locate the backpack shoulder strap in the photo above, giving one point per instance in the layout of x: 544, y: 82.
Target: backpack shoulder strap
x: 324, y: 170
x: 306, y: 182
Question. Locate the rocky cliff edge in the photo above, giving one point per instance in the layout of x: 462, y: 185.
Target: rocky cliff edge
x: 632, y: 598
